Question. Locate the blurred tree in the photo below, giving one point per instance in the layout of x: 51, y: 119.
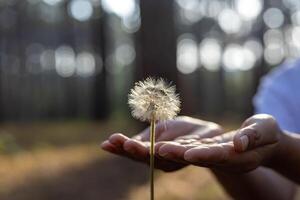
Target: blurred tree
x: 100, y: 108
x: 157, y: 39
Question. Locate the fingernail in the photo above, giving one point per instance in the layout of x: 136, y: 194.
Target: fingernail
x: 245, y: 141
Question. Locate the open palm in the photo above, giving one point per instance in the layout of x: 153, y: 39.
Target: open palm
x: 181, y: 129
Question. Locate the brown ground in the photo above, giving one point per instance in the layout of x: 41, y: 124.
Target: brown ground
x: 63, y: 161
x: 82, y: 173
x: 91, y: 179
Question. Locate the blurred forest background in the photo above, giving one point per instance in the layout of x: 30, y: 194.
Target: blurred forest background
x: 66, y: 67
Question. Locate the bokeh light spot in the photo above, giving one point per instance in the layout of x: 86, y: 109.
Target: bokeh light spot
x: 273, y: 18
x: 295, y: 18
x: 52, y: 2
x: 65, y: 61
x: 274, y: 54
x: 85, y: 64
x: 81, y: 10
x: 249, y: 9
x: 229, y: 21
x: 255, y: 46
x: 187, y: 54
x: 123, y: 8
x: 210, y: 54
x: 236, y: 57
x: 47, y: 59
x: 125, y: 54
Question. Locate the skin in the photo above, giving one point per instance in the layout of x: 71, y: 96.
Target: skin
x: 235, y: 157
x: 137, y: 148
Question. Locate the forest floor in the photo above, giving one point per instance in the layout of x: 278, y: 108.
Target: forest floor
x: 63, y: 161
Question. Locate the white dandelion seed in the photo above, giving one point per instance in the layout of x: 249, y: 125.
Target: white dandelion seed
x: 154, y: 99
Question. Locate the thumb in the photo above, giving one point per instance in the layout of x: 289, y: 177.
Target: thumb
x: 262, y: 131
x: 245, y: 139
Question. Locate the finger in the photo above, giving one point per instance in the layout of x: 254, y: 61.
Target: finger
x: 214, y: 154
x: 137, y: 149
x: 223, y: 156
x: 174, y: 151
x: 118, y: 139
x: 158, y: 145
x: 261, y: 132
x: 107, y: 146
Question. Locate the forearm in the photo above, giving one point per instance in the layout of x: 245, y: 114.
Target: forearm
x: 261, y: 183
x: 287, y: 158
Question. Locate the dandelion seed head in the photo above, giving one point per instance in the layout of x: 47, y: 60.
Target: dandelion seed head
x: 153, y: 98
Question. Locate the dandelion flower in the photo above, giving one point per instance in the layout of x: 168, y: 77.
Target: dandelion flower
x: 154, y: 98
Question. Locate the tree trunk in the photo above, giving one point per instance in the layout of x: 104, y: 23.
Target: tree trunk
x: 157, y: 40
x: 100, y: 108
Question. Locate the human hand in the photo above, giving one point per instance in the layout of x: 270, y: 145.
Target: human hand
x: 183, y: 128
x: 254, y: 144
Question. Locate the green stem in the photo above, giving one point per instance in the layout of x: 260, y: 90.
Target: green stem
x: 152, y: 151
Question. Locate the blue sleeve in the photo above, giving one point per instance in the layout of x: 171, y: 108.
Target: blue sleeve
x: 275, y: 97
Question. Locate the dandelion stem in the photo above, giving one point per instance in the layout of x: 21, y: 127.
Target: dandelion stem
x: 152, y: 141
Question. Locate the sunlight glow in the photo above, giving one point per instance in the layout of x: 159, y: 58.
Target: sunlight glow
x: 125, y: 54
x: 292, y: 4
x: 132, y: 24
x: 272, y: 36
x: 52, y: 2
x: 295, y: 18
x: 296, y: 36
x: 123, y: 8
x: 187, y: 54
x: 255, y: 46
x: 65, y: 61
x: 229, y: 21
x: 236, y: 57
x: 191, y: 11
x: 274, y: 51
x: 273, y: 18
x: 249, y: 9
x: 274, y: 54
x: 47, y: 59
x: 210, y: 54
x: 81, y: 10
x: 85, y: 64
